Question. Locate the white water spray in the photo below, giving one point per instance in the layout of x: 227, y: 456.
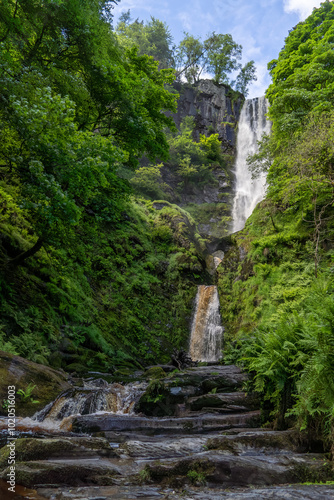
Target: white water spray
x: 248, y: 192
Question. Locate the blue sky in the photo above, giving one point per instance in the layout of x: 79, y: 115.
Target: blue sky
x: 260, y: 26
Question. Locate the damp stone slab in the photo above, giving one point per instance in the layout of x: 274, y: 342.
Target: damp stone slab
x: 203, y: 423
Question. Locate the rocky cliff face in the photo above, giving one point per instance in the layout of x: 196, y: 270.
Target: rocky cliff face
x: 212, y: 107
x: 215, y: 112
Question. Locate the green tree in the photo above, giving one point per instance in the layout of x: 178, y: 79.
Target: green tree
x: 219, y: 55
x: 190, y: 58
x: 246, y: 75
x: 303, y: 74
x: 152, y: 38
x: 147, y: 181
x: 74, y: 106
x: 182, y: 144
x: 222, y: 54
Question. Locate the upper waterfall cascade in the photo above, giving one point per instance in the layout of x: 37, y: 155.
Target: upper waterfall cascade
x: 249, y: 192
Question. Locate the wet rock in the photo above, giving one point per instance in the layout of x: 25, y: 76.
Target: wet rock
x: 34, y: 474
x: 202, y: 423
x: 235, y: 401
x: 116, y: 492
x: 19, y: 372
x: 158, y: 448
x: 264, y: 441
x: 163, y: 397
x: 218, y: 469
x: 31, y: 449
x: 206, y: 378
x: 149, y: 492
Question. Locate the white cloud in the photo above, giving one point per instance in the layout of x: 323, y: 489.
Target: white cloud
x: 186, y: 20
x: 302, y: 7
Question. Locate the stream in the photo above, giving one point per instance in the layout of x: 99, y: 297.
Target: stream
x: 90, y: 443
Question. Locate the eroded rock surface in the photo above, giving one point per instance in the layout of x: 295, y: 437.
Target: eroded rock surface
x: 19, y: 372
x: 214, y: 451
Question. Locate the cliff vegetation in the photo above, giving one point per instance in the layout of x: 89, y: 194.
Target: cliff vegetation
x: 276, y: 284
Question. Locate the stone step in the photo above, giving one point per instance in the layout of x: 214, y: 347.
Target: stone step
x: 107, y: 422
x: 69, y: 472
x: 249, y: 442
x: 152, y: 492
x: 218, y: 468
x: 230, y: 401
x: 212, y: 468
x: 206, y: 378
x: 259, y: 441
x: 32, y: 449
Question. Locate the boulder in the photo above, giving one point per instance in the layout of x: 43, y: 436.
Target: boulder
x: 259, y: 441
x: 19, y: 372
x: 230, y: 471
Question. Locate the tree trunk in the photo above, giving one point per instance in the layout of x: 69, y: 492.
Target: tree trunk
x: 17, y: 261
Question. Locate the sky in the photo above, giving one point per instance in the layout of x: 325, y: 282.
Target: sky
x: 260, y: 26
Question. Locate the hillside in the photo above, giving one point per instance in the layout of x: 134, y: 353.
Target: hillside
x: 116, y: 187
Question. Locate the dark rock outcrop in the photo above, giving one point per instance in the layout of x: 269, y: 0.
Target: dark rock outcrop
x: 213, y: 109
x: 19, y: 372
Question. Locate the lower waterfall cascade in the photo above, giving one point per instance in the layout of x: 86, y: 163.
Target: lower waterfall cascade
x: 206, y: 330
x: 249, y: 192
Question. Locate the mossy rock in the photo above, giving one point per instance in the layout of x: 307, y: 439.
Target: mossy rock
x: 30, y: 474
x: 155, y: 372
x: 159, y: 471
x: 156, y: 400
x: 77, y: 368
x: 19, y: 372
x: 32, y: 449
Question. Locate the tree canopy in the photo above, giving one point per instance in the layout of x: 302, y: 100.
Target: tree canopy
x: 303, y: 74
x: 218, y: 55
x: 152, y: 38
x: 74, y: 106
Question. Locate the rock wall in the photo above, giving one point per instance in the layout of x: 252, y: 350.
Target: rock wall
x: 212, y: 107
x: 216, y: 109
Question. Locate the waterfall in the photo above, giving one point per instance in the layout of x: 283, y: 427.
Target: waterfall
x: 95, y: 396
x: 206, y: 330
x: 248, y: 193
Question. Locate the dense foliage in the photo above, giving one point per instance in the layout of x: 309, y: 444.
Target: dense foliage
x: 303, y: 74
x: 74, y: 106
x: 120, y: 294
x: 190, y: 165
x: 88, y: 277
x: 277, y: 302
x: 152, y: 38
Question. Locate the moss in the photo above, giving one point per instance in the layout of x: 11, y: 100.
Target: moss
x: 109, y: 300
x: 155, y: 372
x: 186, y: 469
x: 31, y: 473
x: 314, y: 473
x: 34, y: 449
x: 18, y: 372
